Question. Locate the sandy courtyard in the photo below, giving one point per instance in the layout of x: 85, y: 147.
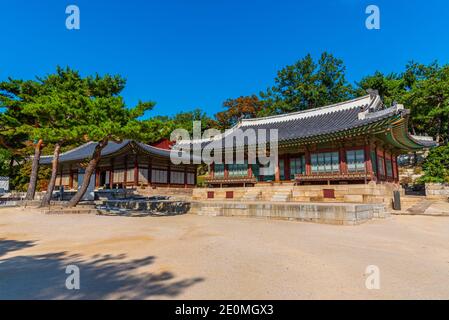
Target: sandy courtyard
x: 195, y: 257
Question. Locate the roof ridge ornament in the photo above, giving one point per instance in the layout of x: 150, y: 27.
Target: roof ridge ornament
x: 374, y: 106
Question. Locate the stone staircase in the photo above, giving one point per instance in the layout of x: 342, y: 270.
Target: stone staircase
x: 282, y: 195
x: 209, y: 210
x: 408, y: 202
x: 252, y: 194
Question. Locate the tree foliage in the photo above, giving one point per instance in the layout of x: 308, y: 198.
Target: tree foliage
x: 308, y: 84
x: 236, y: 109
x: 436, y: 166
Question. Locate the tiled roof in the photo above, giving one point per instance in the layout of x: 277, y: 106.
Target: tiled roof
x: 305, y: 124
x: 85, y: 151
x: 317, y: 122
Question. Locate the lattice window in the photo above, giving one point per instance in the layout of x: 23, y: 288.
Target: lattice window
x: 159, y: 176
x: 355, y: 160
x: 177, y: 177
x: 325, y: 162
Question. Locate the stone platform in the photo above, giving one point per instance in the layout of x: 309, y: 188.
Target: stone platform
x: 328, y: 213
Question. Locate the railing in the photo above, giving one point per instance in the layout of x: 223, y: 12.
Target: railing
x: 333, y: 176
x: 236, y: 179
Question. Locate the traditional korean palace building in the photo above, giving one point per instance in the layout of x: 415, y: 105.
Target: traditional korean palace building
x: 353, y: 142
x: 125, y: 164
x: 357, y: 141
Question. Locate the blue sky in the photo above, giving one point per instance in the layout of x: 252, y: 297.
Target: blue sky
x: 191, y: 53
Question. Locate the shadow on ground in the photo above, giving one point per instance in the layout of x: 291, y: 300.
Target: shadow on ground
x: 43, y: 276
x: 13, y: 245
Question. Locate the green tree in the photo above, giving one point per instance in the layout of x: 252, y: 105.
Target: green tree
x: 428, y: 99
x: 436, y: 166
x: 14, y: 94
x: 391, y: 87
x: 306, y: 85
x: 5, y: 156
x: 58, y: 108
x: 108, y: 119
x: 184, y: 120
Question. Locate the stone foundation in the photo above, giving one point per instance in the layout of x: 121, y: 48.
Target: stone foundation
x: 370, y: 193
x: 437, y: 191
x: 329, y: 213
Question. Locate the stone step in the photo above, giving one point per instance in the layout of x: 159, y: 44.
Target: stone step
x: 70, y: 211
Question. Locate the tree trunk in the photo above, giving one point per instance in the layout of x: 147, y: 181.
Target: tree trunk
x: 88, y: 173
x: 34, y: 171
x: 11, y: 167
x: 54, y: 173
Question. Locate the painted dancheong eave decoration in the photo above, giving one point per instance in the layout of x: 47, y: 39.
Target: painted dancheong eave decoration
x: 123, y: 164
x: 350, y: 142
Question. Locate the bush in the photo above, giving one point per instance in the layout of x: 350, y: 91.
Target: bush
x: 200, y: 181
x: 436, y: 166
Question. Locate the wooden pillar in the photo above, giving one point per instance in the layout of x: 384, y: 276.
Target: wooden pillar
x: 97, y: 178
x: 308, y: 166
x: 226, y: 171
x: 377, y: 165
x: 396, y: 168
x: 277, y: 172
x: 250, y: 171
x: 194, y: 175
x: 150, y: 170
x: 136, y: 171
x: 385, y: 165
x: 343, y: 163
x: 70, y: 177
x: 393, y: 169
x: 60, y: 177
x: 368, y: 163
x: 212, y: 170
x: 125, y: 178
x: 169, y: 175
x: 287, y: 167
x: 111, y: 174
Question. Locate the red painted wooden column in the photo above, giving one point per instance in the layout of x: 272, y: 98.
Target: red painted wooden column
x: 125, y: 178
x: 277, y: 172
x: 308, y: 167
x: 111, y: 174
x: 385, y: 165
x: 97, y: 178
x: 287, y: 167
x: 368, y: 163
x: 343, y: 164
x: 377, y: 164
x: 212, y: 170
x: 136, y: 171
x: 226, y: 171
x: 250, y: 171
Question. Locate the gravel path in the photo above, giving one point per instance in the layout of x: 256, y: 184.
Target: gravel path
x: 197, y: 257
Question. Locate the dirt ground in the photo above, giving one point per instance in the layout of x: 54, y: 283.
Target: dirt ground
x: 195, y: 257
